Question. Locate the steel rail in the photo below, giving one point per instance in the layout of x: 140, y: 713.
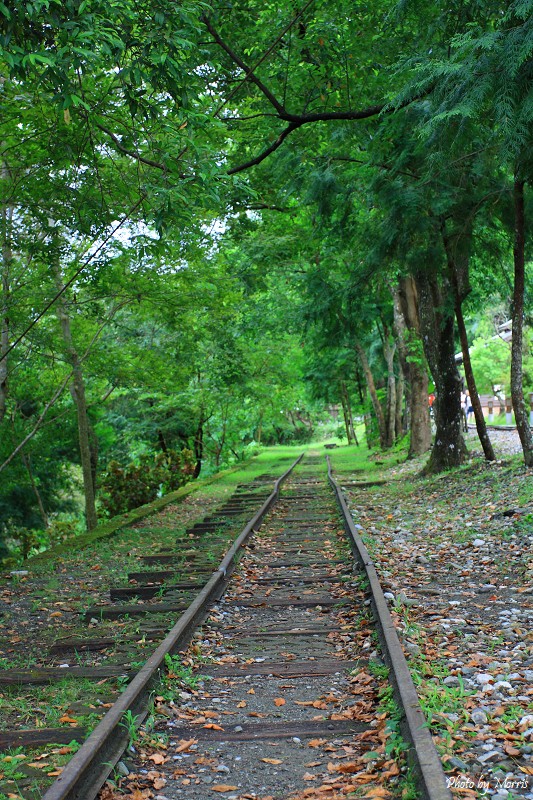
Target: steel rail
x: 88, y: 769
x: 422, y: 754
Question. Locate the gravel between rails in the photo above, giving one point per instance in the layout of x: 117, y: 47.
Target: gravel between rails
x: 285, y: 765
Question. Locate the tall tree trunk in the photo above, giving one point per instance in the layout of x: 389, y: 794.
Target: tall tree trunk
x: 517, y: 387
x: 398, y: 416
x: 437, y: 325
x: 345, y: 412
x: 26, y: 460
x: 420, y: 439
x: 404, y: 387
x: 199, y: 446
x: 457, y: 257
x: 162, y: 441
x: 376, y: 405
x: 350, y: 415
x: 389, y: 349
x: 7, y: 258
x: 77, y: 390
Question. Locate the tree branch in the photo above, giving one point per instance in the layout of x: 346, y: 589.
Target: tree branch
x: 118, y: 144
x: 250, y: 74
x: 261, y: 157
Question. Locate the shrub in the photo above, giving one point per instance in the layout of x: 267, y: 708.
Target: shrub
x: 126, y: 488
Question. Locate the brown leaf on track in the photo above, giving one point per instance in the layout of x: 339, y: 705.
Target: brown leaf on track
x: 157, y: 758
x: 250, y: 691
x: 378, y: 791
x: 308, y: 776
x: 185, y: 744
x: 350, y: 768
x: 212, y: 726
x: 66, y: 718
x: 223, y: 787
x: 279, y: 701
x: 316, y: 742
x: 510, y: 750
x: 272, y: 760
x: 241, y: 704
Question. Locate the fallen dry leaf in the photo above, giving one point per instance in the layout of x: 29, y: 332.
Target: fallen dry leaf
x: 223, y: 787
x: 185, y: 744
x: 279, y: 701
x: 272, y: 760
x: 377, y: 791
x: 157, y: 758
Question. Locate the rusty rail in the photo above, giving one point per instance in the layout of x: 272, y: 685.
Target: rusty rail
x: 87, y: 771
x: 423, y: 755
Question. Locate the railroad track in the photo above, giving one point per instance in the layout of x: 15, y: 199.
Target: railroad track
x: 283, y: 690
x: 71, y: 643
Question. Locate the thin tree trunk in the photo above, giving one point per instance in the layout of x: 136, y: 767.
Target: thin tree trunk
x: 481, y: 425
x: 369, y: 378
x: 398, y: 417
x: 27, y: 463
x: 345, y: 412
x: 77, y: 389
x: 388, y: 352
x: 161, y: 441
x: 420, y: 423
x: 350, y: 415
x: 404, y: 388
x: 517, y: 387
x: 457, y: 280
x: 199, y: 447
x: 7, y: 258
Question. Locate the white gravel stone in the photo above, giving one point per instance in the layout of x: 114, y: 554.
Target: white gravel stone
x: 479, y: 717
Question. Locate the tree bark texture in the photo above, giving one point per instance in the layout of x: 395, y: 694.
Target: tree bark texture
x: 345, y: 415
x: 437, y: 326
x: 399, y: 411
x: 420, y: 439
x: 376, y: 405
x: 457, y: 258
x: 350, y: 414
x: 77, y: 389
x: 199, y: 447
x: 7, y: 258
x: 389, y: 348
x: 517, y: 385
x: 404, y: 389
